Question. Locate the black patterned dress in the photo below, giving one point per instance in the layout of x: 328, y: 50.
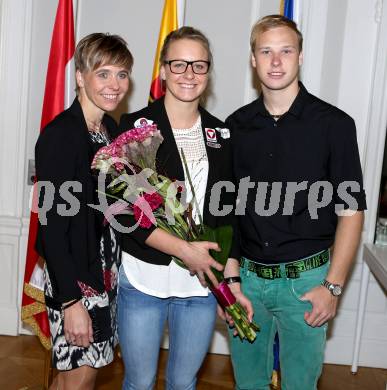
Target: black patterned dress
x: 66, y: 356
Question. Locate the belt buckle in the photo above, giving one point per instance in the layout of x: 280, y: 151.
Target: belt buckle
x: 265, y: 272
x: 292, y: 272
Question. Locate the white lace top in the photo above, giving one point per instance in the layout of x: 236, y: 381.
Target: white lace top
x: 172, y: 280
x: 192, y: 143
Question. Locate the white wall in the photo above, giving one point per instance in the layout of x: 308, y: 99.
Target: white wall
x: 14, y: 54
x: 340, y: 38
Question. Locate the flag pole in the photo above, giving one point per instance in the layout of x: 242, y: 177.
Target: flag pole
x: 77, y: 19
x: 48, y: 370
x: 68, y: 96
x: 33, y: 310
x: 297, y: 13
x: 181, y: 12
x: 70, y: 70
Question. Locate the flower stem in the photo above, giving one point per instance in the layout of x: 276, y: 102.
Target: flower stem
x: 109, y: 195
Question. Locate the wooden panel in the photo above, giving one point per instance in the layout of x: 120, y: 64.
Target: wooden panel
x: 8, y: 284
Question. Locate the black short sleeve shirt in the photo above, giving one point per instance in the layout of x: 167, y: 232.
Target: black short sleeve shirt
x: 294, y: 175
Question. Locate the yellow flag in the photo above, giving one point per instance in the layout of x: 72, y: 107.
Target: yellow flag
x: 168, y: 24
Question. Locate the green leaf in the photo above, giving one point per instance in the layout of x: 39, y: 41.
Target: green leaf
x: 223, y: 236
x: 119, y: 188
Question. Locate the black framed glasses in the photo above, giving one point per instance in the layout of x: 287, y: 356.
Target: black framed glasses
x: 180, y: 66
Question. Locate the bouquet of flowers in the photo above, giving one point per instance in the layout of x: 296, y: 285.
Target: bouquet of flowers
x: 130, y: 163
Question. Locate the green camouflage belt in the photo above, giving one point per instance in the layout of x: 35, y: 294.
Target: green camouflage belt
x: 292, y: 269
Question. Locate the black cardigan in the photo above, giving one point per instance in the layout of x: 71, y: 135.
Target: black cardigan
x: 169, y: 164
x: 70, y: 244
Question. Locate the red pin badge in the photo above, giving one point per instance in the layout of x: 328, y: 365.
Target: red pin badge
x: 210, y: 134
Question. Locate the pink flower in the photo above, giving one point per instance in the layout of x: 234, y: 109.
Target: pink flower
x: 138, y: 134
x: 137, y: 146
x: 155, y: 200
x: 143, y: 209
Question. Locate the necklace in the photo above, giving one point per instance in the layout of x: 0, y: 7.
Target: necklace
x: 97, y: 132
x: 275, y: 116
x: 93, y: 126
x: 101, y: 136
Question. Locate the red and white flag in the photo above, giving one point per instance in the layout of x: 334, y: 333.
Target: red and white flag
x: 33, y: 311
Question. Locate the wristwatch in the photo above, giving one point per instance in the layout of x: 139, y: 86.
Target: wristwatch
x: 233, y: 279
x: 335, y: 289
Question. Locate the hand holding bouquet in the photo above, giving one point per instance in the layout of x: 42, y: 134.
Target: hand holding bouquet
x: 153, y: 199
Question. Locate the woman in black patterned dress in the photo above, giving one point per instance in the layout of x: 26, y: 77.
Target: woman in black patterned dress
x: 81, y: 252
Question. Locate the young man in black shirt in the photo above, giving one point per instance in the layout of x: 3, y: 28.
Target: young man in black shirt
x: 300, y: 208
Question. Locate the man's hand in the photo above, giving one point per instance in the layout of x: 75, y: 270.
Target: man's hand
x: 222, y: 313
x: 244, y: 302
x: 324, y: 306
x: 77, y: 325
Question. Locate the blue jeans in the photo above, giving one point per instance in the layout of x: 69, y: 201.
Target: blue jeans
x: 141, y: 322
x: 278, y: 308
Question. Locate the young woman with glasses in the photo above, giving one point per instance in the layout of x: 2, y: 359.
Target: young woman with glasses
x: 153, y: 290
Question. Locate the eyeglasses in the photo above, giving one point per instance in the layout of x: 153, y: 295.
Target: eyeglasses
x: 180, y: 66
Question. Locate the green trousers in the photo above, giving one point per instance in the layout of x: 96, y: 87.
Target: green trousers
x: 278, y: 308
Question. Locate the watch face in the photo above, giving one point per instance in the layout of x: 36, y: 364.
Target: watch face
x: 336, y: 291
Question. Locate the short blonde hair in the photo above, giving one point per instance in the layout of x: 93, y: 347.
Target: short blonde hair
x: 99, y: 49
x: 273, y: 21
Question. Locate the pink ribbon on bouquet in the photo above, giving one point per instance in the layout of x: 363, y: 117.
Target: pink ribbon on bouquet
x: 223, y: 294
